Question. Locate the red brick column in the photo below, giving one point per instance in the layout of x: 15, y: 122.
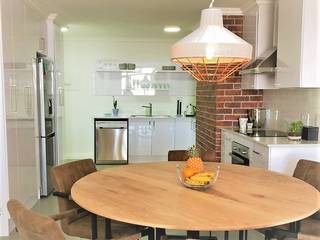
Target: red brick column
x: 221, y: 104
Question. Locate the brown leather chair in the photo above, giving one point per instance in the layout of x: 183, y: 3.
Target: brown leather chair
x: 178, y: 155
x: 182, y: 155
x: 33, y: 226
x: 63, y: 177
x: 309, y: 228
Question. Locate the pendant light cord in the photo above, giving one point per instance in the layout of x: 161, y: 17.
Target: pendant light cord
x: 211, y: 4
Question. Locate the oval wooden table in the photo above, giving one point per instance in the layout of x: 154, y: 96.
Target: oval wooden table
x: 149, y: 194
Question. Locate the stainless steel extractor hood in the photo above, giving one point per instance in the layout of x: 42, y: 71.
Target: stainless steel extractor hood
x: 266, y: 63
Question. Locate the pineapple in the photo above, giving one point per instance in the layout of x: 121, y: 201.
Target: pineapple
x: 194, y: 162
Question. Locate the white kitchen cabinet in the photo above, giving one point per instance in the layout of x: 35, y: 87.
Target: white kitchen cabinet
x: 21, y: 34
x: 298, y: 55
x: 150, y: 139
x: 259, y: 156
x: 162, y: 136
x: 258, y: 30
x: 139, y: 83
x: 184, y: 133
x: 281, y: 158
x: 140, y: 137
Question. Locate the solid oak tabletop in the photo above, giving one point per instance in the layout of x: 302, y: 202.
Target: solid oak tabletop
x: 149, y: 194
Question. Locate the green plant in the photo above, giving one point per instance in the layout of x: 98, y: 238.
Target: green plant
x: 115, y: 103
x: 193, y: 152
x: 295, y: 127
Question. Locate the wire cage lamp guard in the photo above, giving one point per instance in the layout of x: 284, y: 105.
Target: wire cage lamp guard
x: 211, y: 53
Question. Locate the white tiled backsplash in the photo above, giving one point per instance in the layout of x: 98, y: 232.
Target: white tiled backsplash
x: 291, y: 104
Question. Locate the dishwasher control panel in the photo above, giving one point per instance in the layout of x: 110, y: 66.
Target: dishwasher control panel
x: 111, y: 124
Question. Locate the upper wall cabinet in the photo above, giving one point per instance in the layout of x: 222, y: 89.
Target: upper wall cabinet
x: 258, y: 30
x: 298, y: 44
x: 143, y: 82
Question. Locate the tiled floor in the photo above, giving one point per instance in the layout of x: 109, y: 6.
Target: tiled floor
x: 48, y: 206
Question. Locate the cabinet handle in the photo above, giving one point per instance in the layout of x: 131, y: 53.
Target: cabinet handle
x: 154, y: 124
x: 27, y: 98
x: 256, y: 153
x: 13, y: 98
x: 61, y: 96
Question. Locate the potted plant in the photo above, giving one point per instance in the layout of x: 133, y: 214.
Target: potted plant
x: 294, y: 131
x: 115, y: 110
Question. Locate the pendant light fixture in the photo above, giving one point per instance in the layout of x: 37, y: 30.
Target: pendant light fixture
x: 211, y: 53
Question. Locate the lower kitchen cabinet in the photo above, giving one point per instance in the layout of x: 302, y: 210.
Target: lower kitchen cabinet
x: 279, y: 157
x: 185, y: 133
x: 140, y: 137
x: 162, y: 136
x: 150, y: 139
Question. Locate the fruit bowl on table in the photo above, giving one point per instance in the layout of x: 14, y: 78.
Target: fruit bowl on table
x: 198, y: 180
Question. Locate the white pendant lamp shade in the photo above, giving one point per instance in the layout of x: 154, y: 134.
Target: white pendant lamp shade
x: 211, y: 53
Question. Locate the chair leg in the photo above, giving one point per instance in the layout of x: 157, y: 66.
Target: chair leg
x: 193, y: 234
x: 94, y: 227
x: 226, y: 235
x: 159, y: 233
x: 108, y: 228
x: 243, y: 235
x: 267, y: 235
x: 151, y: 234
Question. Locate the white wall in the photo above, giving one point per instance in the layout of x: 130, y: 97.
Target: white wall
x: 81, y: 105
x: 292, y: 102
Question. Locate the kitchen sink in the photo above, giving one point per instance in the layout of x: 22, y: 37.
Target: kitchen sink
x: 153, y: 116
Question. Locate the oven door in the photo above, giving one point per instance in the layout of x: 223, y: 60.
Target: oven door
x: 239, y: 160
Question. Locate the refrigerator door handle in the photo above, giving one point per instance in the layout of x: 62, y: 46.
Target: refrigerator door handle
x: 41, y: 98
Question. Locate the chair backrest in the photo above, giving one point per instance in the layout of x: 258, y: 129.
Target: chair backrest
x: 208, y: 156
x: 309, y: 172
x: 182, y: 155
x: 33, y: 226
x: 63, y: 178
x: 178, y: 155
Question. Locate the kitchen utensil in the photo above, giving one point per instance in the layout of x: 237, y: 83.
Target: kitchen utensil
x: 190, y: 110
x: 123, y: 66
x: 258, y: 117
x: 310, y: 133
x: 243, y: 124
x: 168, y: 68
x: 131, y: 66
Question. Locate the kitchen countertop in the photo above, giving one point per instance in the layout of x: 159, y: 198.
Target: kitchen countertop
x: 127, y: 116
x: 273, y: 141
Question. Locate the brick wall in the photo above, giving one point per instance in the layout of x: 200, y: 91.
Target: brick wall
x: 221, y: 104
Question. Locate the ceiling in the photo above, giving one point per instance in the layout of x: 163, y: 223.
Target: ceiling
x: 130, y: 18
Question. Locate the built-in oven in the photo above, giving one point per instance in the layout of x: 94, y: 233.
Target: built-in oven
x: 240, y: 154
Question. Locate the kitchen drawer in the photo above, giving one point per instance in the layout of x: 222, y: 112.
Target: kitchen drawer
x: 259, y: 156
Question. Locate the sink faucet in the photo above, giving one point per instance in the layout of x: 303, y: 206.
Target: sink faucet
x: 150, y: 109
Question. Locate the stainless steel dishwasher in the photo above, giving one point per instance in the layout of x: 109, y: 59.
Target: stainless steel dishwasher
x: 111, y: 141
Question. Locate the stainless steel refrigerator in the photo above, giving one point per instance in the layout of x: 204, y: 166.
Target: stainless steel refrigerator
x: 46, y: 89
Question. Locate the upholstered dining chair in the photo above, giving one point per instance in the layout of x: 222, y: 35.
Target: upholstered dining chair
x: 63, y: 177
x: 33, y: 226
x: 182, y: 155
x: 309, y: 228
x: 178, y: 155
